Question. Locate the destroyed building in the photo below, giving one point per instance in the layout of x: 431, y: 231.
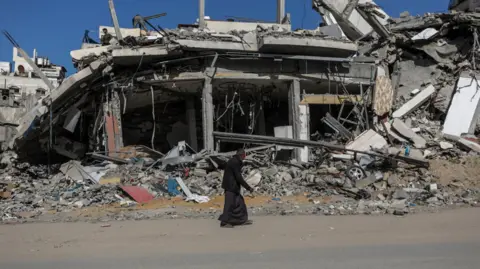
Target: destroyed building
x: 186, y: 83
x: 21, y: 88
x: 361, y: 87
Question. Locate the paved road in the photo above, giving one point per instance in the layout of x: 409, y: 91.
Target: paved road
x: 441, y: 241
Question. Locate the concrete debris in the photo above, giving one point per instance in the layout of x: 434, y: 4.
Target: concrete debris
x: 463, y: 114
x: 401, y: 128
x: 414, y: 103
x: 425, y: 34
x: 156, y: 114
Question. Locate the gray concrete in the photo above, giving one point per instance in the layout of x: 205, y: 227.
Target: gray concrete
x: 415, y: 102
x: 426, y: 241
x: 207, y: 115
x: 307, y: 46
x: 294, y: 112
x: 280, y: 11
x: 201, y: 14
x: 401, y: 128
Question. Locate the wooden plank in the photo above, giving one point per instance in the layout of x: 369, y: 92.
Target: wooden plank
x: 330, y: 99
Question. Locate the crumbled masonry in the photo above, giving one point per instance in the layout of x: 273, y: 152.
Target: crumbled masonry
x: 353, y: 123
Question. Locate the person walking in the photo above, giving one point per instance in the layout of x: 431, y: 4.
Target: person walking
x: 234, y: 210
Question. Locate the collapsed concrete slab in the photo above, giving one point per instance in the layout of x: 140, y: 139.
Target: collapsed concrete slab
x: 345, y: 13
x: 128, y: 56
x: 464, y: 110
x: 307, y: 46
x: 78, y: 55
x: 367, y: 141
x: 58, y: 97
x: 238, y: 45
x: 228, y: 26
x: 415, y: 102
x: 401, y: 128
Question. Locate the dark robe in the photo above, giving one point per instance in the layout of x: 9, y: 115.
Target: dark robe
x: 234, y: 209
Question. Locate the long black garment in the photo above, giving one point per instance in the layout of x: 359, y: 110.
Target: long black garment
x: 235, y: 210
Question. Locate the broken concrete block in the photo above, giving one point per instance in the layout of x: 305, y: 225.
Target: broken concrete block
x: 388, y: 126
x: 416, y: 154
x: 464, y: 110
x: 366, y: 141
x: 446, y: 145
x: 425, y: 34
x: 400, y: 194
x: 360, y: 184
x: 464, y: 142
x: 433, y: 187
x: 254, y: 178
x: 400, y: 127
x: 415, y: 102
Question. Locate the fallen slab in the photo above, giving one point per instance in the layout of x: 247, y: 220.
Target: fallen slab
x: 464, y: 142
x: 415, y: 102
x: 463, y: 113
x: 307, y: 46
x: 367, y: 141
x: 401, y: 128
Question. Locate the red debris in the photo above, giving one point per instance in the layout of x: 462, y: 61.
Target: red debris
x: 139, y: 194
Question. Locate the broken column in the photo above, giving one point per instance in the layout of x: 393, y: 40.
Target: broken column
x: 113, y: 124
x: 280, y: 11
x: 207, y: 115
x: 201, y: 14
x: 192, y: 123
x: 298, y: 119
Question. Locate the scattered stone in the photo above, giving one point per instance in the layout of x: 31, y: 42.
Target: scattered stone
x: 399, y: 213
x: 445, y: 145
x: 400, y: 194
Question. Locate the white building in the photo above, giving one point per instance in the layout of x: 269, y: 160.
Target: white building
x: 21, y: 88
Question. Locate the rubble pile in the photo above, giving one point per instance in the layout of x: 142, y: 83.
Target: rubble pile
x: 411, y: 83
x: 396, y: 189
x: 29, y: 189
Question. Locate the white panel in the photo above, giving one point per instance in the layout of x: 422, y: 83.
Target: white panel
x: 462, y: 114
x: 284, y: 132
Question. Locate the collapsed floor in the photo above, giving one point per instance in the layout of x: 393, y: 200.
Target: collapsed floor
x: 373, y: 123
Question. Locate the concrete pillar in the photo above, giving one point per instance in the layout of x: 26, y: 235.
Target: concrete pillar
x: 294, y: 111
x: 207, y: 115
x: 113, y: 124
x: 118, y: 33
x: 192, y: 123
x: 280, y: 10
x: 201, y: 14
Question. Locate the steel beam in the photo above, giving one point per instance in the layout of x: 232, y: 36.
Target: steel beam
x: 201, y: 14
x: 118, y: 33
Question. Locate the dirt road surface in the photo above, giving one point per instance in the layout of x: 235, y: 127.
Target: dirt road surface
x: 444, y: 240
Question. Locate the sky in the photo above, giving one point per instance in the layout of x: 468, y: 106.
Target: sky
x: 55, y: 27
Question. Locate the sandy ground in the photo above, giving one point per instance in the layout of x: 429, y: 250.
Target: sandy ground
x: 464, y: 172
x: 444, y: 240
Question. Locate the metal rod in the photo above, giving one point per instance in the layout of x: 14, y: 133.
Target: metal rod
x: 280, y: 11
x: 268, y: 140
x: 113, y: 13
x: 201, y: 14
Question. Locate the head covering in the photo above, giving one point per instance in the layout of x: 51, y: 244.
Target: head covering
x: 240, y: 152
